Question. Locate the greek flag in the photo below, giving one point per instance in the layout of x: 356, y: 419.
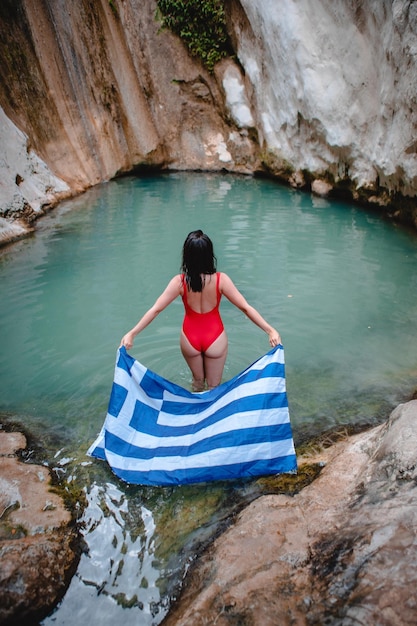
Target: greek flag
x: 158, y: 433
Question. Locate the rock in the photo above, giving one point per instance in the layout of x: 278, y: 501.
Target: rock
x: 236, y: 95
x: 38, y: 550
x: 34, y: 574
x: 343, y: 551
x: 27, y: 184
x: 323, y: 89
x: 331, y: 86
x: 321, y: 188
x: 10, y: 230
x: 297, y: 180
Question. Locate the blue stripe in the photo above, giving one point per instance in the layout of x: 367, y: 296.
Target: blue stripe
x: 99, y: 453
x: 274, y: 370
x: 207, y: 474
x: 232, y: 439
x: 144, y: 418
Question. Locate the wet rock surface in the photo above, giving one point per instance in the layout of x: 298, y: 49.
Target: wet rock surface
x: 38, y: 548
x: 342, y: 551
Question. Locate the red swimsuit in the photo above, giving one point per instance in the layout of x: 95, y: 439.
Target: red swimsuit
x: 202, y: 329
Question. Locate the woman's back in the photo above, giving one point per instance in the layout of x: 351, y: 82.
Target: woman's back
x: 206, y: 300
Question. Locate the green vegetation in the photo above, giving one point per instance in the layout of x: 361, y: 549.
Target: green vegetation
x: 72, y: 495
x: 113, y: 7
x: 201, y: 24
x: 290, y: 484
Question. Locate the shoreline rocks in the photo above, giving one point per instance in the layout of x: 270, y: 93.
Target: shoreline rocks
x: 342, y: 551
x: 38, y: 541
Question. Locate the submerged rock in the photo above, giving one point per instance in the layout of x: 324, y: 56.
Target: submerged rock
x: 38, y: 552
x: 343, y: 551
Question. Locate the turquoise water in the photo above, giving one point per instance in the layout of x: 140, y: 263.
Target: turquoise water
x: 340, y: 284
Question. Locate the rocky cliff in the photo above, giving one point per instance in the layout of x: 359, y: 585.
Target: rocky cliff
x: 321, y: 94
x: 332, y: 86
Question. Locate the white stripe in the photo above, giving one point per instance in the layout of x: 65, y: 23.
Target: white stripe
x: 268, y: 417
x: 246, y: 390
x: 196, y: 397
x: 219, y: 456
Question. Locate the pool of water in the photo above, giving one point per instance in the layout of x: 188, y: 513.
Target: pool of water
x: 340, y: 284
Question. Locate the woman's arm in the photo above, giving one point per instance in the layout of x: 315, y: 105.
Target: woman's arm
x: 228, y: 288
x: 171, y: 292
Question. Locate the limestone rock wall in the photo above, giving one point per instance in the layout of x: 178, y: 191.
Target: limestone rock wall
x: 333, y: 86
x: 27, y: 184
x: 98, y: 89
x: 321, y: 94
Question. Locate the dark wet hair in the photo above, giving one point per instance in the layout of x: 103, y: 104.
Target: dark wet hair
x: 197, y: 258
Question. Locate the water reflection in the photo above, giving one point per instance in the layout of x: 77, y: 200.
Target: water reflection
x: 119, y: 570
x: 139, y: 542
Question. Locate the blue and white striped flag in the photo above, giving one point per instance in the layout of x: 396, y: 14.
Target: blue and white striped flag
x: 157, y: 433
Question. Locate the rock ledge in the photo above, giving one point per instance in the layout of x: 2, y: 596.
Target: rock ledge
x: 342, y: 551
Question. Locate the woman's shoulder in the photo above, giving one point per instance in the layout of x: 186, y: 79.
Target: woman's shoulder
x: 177, y: 278
x: 224, y: 280
x: 177, y: 281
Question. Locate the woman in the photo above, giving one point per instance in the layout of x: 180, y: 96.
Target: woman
x: 203, y: 338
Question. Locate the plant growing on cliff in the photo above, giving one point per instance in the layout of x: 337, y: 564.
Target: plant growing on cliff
x: 201, y: 24
x: 113, y: 7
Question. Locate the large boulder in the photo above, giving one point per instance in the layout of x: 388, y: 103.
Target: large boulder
x: 342, y: 551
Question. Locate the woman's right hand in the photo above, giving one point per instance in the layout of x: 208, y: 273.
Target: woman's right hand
x: 127, y: 341
x: 274, y: 337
